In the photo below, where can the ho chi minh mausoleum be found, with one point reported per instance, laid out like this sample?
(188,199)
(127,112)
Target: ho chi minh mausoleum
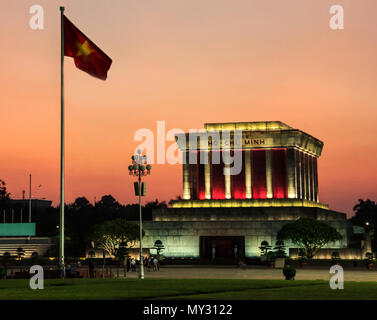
(276,182)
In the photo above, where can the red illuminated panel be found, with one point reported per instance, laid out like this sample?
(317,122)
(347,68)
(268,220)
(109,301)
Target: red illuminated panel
(259,174)
(218,179)
(238,181)
(279,157)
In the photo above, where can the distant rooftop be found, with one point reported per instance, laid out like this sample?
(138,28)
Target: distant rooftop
(41,203)
(248,126)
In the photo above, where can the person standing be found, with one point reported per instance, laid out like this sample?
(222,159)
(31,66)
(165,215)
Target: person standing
(155,264)
(128,264)
(235,251)
(133,265)
(149,263)
(213,252)
(145,262)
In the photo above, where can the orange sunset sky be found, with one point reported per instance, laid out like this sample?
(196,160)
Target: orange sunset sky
(186,62)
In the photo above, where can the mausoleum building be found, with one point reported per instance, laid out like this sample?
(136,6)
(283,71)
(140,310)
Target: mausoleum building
(242,182)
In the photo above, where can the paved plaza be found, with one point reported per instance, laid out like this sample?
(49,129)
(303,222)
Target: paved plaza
(254,272)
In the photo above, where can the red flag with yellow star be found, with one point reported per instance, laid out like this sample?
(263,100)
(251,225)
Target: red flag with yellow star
(87,56)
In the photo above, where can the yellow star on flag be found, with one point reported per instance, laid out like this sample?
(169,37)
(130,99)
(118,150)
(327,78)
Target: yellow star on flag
(84,49)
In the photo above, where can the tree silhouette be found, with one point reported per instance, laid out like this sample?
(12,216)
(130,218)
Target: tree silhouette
(115,234)
(365,212)
(264,248)
(156,205)
(309,234)
(108,202)
(81,203)
(4,195)
(366,217)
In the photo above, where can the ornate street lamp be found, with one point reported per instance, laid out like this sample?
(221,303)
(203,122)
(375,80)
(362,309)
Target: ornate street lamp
(139,168)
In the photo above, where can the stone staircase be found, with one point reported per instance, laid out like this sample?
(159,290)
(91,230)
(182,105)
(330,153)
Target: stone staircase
(39,245)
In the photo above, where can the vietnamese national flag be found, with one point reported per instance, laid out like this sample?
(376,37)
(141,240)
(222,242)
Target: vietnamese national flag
(88,57)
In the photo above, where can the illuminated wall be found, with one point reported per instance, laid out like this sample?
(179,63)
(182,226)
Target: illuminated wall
(181,238)
(278,162)
(238,181)
(218,180)
(274,177)
(279,173)
(259,189)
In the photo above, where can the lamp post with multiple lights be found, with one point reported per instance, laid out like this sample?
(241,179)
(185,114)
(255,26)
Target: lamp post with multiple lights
(139,168)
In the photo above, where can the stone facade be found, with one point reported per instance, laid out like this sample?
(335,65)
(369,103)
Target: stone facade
(181,234)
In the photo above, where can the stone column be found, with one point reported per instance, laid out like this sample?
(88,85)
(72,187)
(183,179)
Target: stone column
(298,176)
(228,182)
(303,175)
(291,174)
(186,177)
(248,185)
(312,178)
(308,177)
(269,182)
(207,177)
(316,196)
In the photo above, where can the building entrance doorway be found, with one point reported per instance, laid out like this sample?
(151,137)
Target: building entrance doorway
(223,247)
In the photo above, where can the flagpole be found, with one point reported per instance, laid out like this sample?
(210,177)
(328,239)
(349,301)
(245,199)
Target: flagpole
(61,229)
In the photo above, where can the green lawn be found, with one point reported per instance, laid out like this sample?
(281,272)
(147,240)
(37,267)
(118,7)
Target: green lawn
(185,289)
